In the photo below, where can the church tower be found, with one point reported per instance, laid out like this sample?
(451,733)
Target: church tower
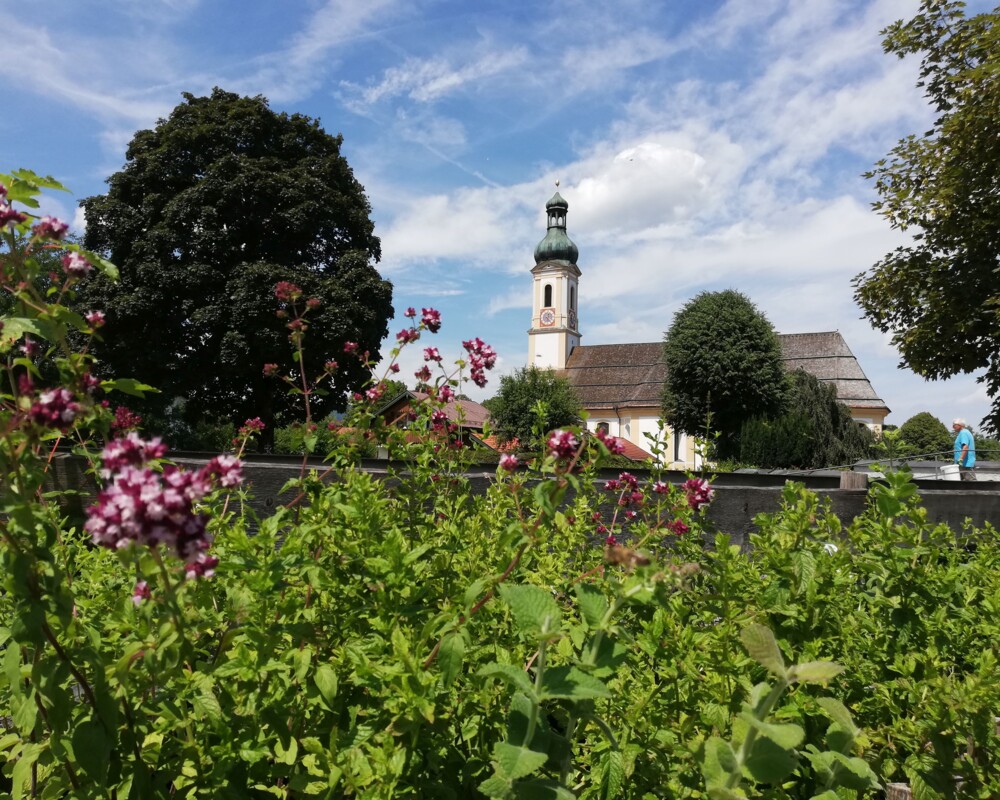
(554,324)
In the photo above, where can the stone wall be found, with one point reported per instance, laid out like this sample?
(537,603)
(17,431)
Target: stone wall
(739,498)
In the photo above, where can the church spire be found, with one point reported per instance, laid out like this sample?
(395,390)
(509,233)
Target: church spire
(554,325)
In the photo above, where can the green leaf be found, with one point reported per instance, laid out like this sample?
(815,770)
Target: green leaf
(287,755)
(593,605)
(814,672)
(497,787)
(537,789)
(326,681)
(719,761)
(508,673)
(769,762)
(535,611)
(610,774)
(829,794)
(92,749)
(569,683)
(128,386)
(16,327)
(722,793)
(786,735)
(836,711)
(521,712)
(760,644)
(450,656)
(517,762)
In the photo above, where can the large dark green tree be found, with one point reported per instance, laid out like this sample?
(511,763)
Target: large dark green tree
(815,431)
(532,398)
(213,207)
(938,295)
(723,367)
(926,434)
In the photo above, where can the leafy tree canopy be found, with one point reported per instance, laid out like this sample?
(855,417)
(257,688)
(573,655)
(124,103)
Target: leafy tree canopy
(926,434)
(938,295)
(213,207)
(532,398)
(817,431)
(723,367)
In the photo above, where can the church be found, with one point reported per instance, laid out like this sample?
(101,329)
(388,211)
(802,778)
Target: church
(620,385)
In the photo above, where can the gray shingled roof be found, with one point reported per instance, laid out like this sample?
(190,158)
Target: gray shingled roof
(632,375)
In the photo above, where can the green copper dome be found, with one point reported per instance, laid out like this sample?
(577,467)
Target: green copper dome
(556,246)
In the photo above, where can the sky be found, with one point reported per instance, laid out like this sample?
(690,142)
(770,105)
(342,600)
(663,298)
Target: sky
(701,145)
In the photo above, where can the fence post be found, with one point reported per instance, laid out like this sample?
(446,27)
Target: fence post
(853,480)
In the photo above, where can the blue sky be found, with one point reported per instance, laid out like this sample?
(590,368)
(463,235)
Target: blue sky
(701,144)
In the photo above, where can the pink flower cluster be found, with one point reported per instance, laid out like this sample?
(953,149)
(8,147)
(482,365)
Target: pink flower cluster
(284,291)
(75,265)
(252,426)
(699,492)
(509,462)
(481,358)
(56,408)
(628,485)
(8,216)
(431,318)
(141,506)
(50,228)
(615,445)
(563,444)
(125,419)
(407,335)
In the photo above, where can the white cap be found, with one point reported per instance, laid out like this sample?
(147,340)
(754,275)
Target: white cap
(958,421)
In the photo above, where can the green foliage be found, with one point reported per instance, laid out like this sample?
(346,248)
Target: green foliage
(937,295)
(515,412)
(401,635)
(213,207)
(724,365)
(927,435)
(816,432)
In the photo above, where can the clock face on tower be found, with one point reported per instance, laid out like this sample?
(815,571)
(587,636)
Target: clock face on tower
(547,318)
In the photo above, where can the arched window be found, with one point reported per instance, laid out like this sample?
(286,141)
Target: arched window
(604,426)
(548,295)
(572,298)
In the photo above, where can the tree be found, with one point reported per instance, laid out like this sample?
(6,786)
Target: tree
(938,295)
(213,207)
(817,431)
(723,367)
(926,434)
(515,410)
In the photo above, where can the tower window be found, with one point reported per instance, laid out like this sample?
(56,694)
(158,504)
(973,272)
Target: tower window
(548,295)
(572,298)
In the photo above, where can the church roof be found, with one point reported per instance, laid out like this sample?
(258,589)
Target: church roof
(632,375)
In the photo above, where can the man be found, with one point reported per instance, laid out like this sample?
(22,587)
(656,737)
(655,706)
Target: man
(965,450)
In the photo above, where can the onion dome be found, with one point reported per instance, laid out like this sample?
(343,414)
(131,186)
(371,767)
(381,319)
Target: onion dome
(556,246)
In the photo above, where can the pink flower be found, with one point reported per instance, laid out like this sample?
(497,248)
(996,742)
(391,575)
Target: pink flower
(615,445)
(611,541)
(628,479)
(423,374)
(313,303)
(563,444)
(630,515)
(141,593)
(432,354)
(54,409)
(30,347)
(660,487)
(331,366)
(203,566)
(509,462)
(445,394)
(699,492)
(677,527)
(285,291)
(125,419)
(270,370)
(95,319)
(431,319)
(411,312)
(350,347)
(481,358)
(130,451)
(75,265)
(50,228)
(8,216)
(253,425)
(394,368)
(375,392)
(407,335)
(227,470)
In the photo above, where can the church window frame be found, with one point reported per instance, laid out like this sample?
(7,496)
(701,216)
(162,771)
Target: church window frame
(547,296)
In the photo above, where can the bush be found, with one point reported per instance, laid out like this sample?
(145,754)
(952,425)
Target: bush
(927,435)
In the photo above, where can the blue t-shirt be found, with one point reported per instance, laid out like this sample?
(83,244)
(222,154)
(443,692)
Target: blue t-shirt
(965,438)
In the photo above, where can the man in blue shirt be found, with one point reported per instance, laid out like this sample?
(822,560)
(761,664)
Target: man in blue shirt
(965,450)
